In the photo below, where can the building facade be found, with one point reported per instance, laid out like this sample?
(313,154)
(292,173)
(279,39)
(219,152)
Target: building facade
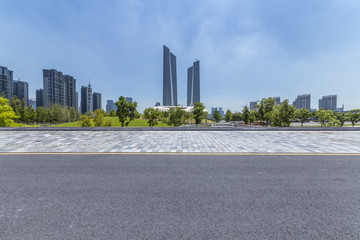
(110,105)
(58,89)
(39,98)
(169,78)
(70,91)
(97,103)
(303,101)
(54,88)
(193,84)
(6,82)
(21,91)
(86,99)
(328,102)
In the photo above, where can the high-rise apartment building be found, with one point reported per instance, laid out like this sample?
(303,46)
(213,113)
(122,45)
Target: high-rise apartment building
(54,88)
(328,102)
(70,91)
(6,82)
(58,89)
(193,84)
(169,78)
(303,101)
(110,105)
(21,91)
(39,98)
(86,99)
(97,103)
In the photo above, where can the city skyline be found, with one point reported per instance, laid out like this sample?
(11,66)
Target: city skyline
(67,95)
(247,50)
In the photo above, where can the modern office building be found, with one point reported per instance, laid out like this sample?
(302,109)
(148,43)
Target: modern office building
(21,91)
(129,99)
(39,98)
(303,101)
(253,105)
(277,100)
(328,102)
(169,78)
(110,105)
(193,84)
(6,82)
(70,91)
(97,103)
(86,99)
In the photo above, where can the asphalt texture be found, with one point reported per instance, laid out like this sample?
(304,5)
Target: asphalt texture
(179,197)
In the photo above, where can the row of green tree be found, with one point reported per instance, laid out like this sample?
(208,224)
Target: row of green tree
(127,112)
(175,116)
(53,115)
(267,113)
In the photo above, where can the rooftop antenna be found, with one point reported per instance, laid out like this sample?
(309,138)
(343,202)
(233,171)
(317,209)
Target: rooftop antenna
(89,82)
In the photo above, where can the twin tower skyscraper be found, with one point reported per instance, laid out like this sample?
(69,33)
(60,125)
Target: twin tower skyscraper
(170,97)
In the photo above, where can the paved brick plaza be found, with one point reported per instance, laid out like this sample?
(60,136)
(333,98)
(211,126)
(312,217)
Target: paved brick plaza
(181,141)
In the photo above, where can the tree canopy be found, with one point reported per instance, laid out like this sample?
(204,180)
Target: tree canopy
(198,112)
(126,111)
(7,115)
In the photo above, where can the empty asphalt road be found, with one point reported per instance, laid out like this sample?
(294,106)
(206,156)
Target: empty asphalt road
(179,197)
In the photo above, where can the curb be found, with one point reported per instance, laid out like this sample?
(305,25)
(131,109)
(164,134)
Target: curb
(245,129)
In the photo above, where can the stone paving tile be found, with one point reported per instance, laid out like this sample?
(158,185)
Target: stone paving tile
(181,141)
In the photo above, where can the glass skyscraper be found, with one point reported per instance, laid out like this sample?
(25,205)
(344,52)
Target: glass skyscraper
(97,102)
(86,99)
(6,82)
(193,84)
(169,79)
(21,91)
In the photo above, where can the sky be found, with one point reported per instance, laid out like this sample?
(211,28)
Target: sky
(248,49)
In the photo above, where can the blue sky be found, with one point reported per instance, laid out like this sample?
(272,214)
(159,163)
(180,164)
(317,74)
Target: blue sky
(248,49)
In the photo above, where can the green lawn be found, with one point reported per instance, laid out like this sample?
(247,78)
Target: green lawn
(115,123)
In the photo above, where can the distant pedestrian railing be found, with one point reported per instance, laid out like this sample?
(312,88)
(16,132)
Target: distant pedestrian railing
(223,125)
